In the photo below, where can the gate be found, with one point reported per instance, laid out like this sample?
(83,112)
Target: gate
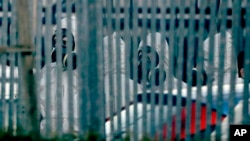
(124,69)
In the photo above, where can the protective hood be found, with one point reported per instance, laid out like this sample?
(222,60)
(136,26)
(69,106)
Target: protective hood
(113,45)
(73,28)
(217,42)
(158,46)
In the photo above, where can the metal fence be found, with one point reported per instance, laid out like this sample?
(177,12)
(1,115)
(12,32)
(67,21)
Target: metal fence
(136,68)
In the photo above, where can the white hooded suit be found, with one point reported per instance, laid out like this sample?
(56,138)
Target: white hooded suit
(111,71)
(227,60)
(157,45)
(65,94)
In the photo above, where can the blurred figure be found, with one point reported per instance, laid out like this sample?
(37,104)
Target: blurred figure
(153,53)
(64,95)
(186,63)
(111,72)
(217,57)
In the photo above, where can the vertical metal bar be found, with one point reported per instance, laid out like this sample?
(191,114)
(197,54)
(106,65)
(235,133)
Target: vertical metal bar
(210,67)
(31,20)
(34,21)
(110,59)
(20,107)
(235,42)
(127,38)
(33,10)
(130,13)
(172,38)
(135,35)
(162,54)
(100,51)
(222,44)
(38,45)
(83,56)
(90,24)
(3,101)
(70,75)
(199,75)
(79,54)
(13,41)
(93,78)
(191,38)
(53,95)
(200,78)
(144,72)
(5,19)
(181,32)
(118,65)
(152,78)
(59,92)
(246,67)
(48,76)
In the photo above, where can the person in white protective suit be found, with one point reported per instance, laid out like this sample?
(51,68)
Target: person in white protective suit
(113,92)
(228,64)
(153,50)
(65,94)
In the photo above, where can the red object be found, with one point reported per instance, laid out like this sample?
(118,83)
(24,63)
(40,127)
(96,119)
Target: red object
(193,121)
